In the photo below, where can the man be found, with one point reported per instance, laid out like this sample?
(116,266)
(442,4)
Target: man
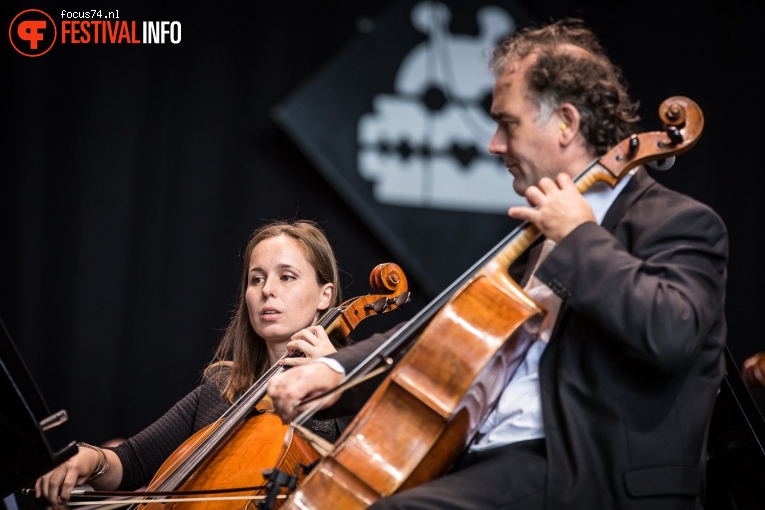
(610,407)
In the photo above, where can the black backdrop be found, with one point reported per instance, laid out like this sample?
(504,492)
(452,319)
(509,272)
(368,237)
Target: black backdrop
(132,178)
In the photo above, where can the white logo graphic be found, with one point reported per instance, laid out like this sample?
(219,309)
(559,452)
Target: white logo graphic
(426,146)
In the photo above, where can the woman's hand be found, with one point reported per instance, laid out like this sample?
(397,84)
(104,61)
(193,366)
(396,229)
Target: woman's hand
(312,341)
(56,486)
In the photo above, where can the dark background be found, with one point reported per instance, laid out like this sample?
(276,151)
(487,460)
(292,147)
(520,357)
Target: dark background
(132,178)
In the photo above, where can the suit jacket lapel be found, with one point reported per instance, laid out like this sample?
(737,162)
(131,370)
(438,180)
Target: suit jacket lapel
(639,183)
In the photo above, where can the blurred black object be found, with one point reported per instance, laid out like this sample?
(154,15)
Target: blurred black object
(736,447)
(24,418)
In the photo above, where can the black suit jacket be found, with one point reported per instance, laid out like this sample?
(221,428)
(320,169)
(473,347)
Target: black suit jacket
(629,377)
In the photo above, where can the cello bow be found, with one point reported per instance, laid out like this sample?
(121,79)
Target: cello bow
(229,455)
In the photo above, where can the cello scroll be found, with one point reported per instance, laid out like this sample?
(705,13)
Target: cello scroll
(683,121)
(390,291)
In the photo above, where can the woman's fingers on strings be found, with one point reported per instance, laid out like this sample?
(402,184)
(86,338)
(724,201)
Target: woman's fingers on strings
(294,362)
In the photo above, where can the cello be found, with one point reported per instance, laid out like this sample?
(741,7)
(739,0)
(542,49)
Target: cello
(228,456)
(461,350)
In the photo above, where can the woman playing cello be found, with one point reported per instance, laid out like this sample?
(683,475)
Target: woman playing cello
(290,277)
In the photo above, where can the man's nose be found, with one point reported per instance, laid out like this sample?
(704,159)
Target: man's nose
(498,144)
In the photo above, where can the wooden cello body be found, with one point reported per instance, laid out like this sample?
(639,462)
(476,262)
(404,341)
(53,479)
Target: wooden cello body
(431,404)
(228,457)
(261,440)
(464,348)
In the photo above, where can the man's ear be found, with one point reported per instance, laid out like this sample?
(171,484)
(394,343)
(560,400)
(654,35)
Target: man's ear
(570,122)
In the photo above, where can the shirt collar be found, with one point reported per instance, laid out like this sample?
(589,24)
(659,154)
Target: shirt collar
(600,195)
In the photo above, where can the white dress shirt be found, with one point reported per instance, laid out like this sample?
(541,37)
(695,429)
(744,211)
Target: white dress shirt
(518,413)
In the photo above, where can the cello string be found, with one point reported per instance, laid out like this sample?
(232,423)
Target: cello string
(181,470)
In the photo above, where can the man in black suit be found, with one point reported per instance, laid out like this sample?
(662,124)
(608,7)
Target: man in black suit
(610,406)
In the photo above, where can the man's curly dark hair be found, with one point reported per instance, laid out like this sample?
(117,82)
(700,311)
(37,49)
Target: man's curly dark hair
(572,67)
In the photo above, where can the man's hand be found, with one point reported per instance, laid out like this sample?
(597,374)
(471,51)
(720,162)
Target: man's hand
(290,387)
(557,207)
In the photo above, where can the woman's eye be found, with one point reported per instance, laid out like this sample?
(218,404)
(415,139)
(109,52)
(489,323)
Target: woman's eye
(256,280)
(288,277)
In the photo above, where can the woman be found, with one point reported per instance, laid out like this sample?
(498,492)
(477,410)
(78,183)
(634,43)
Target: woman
(290,277)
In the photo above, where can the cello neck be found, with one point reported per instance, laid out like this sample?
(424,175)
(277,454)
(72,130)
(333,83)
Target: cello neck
(494,263)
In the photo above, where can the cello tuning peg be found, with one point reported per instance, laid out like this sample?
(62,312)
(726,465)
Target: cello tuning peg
(633,146)
(675,135)
(402,299)
(378,306)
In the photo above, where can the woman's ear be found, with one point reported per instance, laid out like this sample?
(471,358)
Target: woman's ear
(326,296)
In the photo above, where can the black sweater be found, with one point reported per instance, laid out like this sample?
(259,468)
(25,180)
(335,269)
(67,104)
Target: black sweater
(143,454)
